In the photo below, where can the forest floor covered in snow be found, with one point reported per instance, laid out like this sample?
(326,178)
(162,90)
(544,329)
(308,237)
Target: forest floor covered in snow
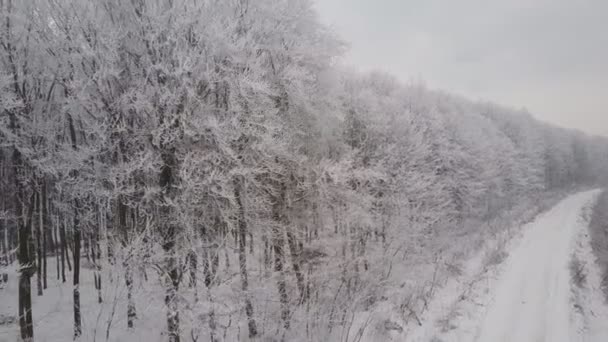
(106,321)
(537,280)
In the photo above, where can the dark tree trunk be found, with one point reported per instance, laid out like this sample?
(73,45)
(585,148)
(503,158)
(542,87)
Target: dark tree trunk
(25,308)
(44,263)
(211,258)
(45,229)
(39,244)
(3,225)
(5,247)
(251,250)
(207,265)
(171,302)
(193,270)
(278,243)
(213,255)
(27,268)
(24,228)
(87,246)
(172,285)
(5,243)
(295,261)
(167,183)
(131,311)
(64,249)
(193,263)
(242,233)
(77,238)
(316,219)
(66,245)
(57,251)
(98,258)
(96,263)
(211,262)
(110,242)
(123,227)
(267,253)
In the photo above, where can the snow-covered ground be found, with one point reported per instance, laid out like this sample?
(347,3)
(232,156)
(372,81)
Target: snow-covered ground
(530,296)
(517,288)
(53,312)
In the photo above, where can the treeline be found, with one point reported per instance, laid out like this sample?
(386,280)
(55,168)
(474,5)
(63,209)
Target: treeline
(206,140)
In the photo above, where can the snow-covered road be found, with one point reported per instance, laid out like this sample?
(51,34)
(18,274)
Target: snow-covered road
(532,298)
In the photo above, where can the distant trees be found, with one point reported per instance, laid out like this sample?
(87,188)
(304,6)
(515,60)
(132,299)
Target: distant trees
(202,139)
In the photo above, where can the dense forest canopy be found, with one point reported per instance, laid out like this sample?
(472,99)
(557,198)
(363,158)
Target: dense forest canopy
(217,153)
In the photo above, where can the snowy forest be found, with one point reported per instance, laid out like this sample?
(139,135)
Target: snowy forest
(206,170)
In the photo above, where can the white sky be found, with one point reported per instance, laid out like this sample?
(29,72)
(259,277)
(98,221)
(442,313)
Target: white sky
(550,56)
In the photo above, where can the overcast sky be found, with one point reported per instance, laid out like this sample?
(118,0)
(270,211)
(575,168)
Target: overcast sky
(550,56)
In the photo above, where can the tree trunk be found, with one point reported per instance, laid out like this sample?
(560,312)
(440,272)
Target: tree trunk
(171,301)
(211,258)
(123,227)
(267,253)
(66,246)
(278,243)
(295,261)
(25,308)
(87,246)
(316,221)
(39,244)
(242,232)
(26,268)
(96,263)
(64,249)
(167,183)
(23,222)
(98,268)
(3,225)
(4,230)
(57,245)
(110,243)
(77,238)
(206,265)
(45,229)
(5,244)
(251,250)
(193,264)
(131,311)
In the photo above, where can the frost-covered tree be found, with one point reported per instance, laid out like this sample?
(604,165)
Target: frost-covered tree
(220,147)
